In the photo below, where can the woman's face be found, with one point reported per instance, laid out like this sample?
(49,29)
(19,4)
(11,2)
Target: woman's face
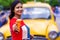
(18,9)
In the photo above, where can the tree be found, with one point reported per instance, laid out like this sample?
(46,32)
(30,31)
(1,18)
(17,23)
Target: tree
(54,3)
(6,3)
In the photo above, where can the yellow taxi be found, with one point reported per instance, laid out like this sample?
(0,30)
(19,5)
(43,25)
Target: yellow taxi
(4,28)
(40,19)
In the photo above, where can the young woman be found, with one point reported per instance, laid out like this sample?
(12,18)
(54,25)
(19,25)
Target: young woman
(16,11)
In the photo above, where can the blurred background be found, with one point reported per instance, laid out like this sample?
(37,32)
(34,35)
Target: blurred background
(5,4)
(5,9)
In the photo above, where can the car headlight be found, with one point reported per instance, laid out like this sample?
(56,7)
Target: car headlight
(53,35)
(1,36)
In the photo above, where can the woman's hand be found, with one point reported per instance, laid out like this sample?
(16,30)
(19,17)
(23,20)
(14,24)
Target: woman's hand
(31,37)
(15,28)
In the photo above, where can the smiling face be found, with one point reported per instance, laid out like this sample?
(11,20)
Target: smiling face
(18,9)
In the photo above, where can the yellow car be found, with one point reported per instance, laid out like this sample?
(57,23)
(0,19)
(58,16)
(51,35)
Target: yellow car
(41,21)
(4,28)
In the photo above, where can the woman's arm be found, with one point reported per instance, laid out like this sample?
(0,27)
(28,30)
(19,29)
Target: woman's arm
(13,26)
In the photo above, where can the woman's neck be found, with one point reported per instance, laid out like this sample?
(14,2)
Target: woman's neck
(17,16)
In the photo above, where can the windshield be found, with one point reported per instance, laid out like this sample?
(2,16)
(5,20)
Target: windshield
(36,12)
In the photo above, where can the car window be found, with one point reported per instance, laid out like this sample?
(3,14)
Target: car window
(35,12)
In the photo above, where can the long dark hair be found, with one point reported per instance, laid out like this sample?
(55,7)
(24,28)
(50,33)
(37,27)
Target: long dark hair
(12,8)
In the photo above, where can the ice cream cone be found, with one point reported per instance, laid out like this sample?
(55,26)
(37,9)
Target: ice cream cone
(18,24)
